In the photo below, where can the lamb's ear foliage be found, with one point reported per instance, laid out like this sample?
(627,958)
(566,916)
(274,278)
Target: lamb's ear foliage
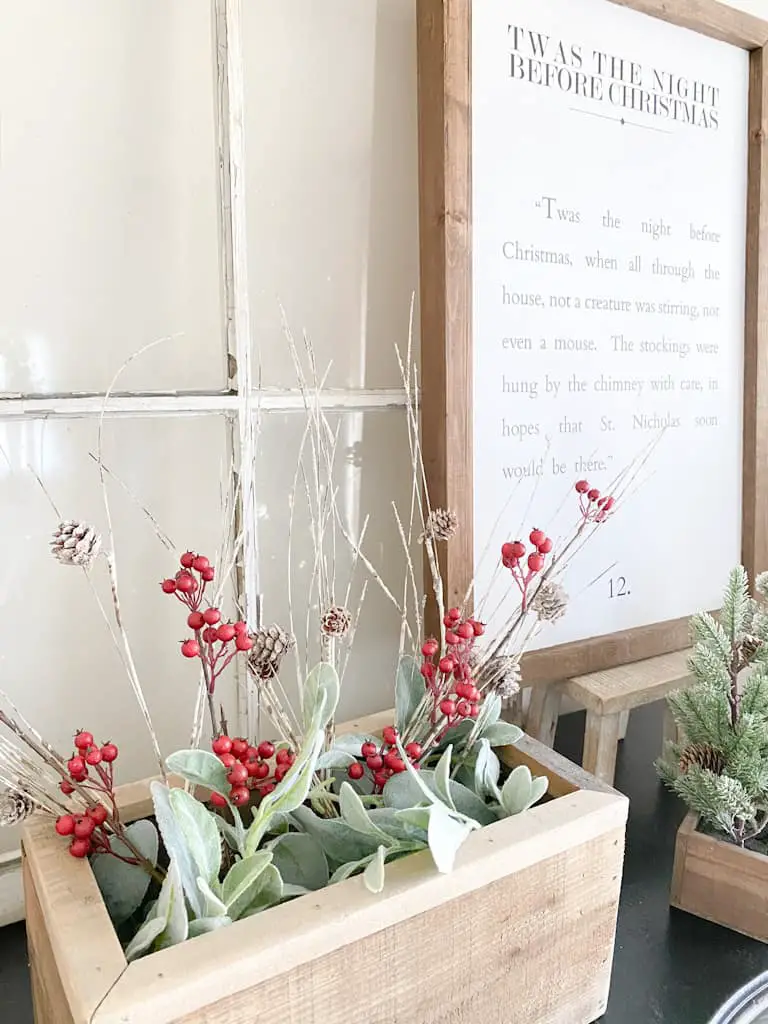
(719,766)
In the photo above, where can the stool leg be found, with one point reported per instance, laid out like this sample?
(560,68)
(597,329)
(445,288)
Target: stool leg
(601,741)
(623,723)
(543,713)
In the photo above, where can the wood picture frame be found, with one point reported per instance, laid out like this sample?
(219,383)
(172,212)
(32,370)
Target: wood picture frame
(445,223)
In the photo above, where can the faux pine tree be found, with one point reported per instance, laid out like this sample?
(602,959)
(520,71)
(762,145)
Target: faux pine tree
(719,767)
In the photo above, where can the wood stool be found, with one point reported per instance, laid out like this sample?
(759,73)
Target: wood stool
(609,696)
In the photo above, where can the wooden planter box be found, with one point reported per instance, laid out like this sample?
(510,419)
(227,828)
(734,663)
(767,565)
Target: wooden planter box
(522,931)
(720,882)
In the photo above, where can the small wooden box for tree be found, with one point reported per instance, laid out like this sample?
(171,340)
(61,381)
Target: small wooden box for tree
(521,932)
(720,882)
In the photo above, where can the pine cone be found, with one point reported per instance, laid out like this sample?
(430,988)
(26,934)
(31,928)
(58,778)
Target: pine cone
(501,674)
(550,602)
(270,645)
(704,755)
(440,525)
(76,543)
(750,645)
(15,807)
(336,621)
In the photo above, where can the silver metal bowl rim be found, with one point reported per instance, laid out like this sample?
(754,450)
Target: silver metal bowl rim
(752,996)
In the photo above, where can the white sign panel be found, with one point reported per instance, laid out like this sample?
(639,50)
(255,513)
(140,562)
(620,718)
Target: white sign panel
(609,219)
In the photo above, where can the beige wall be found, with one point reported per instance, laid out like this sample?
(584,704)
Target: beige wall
(109,240)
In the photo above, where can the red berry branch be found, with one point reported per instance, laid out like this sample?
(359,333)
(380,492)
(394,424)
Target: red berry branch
(449,678)
(215,642)
(512,555)
(383,761)
(91,771)
(250,770)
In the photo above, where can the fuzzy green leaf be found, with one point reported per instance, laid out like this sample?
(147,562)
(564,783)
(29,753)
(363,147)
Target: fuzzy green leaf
(321,696)
(517,790)
(166,922)
(442,778)
(269,892)
(338,840)
(352,743)
(243,883)
(300,860)
(175,845)
(402,791)
(212,903)
(124,886)
(487,771)
(409,691)
(490,712)
(373,876)
(201,768)
(502,734)
(204,925)
(334,758)
(355,815)
(198,827)
(445,835)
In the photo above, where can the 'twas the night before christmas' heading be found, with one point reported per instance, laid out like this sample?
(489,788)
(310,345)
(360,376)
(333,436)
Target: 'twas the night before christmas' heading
(625,84)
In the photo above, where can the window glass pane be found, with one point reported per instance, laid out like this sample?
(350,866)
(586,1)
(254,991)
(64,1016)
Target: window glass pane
(108,196)
(59,663)
(332,182)
(372,470)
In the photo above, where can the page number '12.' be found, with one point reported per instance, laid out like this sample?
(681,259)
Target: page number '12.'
(617,587)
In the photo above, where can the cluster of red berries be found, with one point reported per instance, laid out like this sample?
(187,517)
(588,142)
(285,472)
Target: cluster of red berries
(449,678)
(384,761)
(594,506)
(249,768)
(88,755)
(524,569)
(212,639)
(86,831)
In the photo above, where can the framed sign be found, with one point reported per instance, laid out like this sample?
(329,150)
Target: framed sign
(594,251)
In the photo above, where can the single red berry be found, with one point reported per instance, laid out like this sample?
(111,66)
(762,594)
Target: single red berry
(609,504)
(427,669)
(226,633)
(356,771)
(217,800)
(76,766)
(475,711)
(375,762)
(241,627)
(389,734)
(84,827)
(368,750)
(109,753)
(200,562)
(239,746)
(66,787)
(267,788)
(185,583)
(83,740)
(195,620)
(546,546)
(97,814)
(284,756)
(451,638)
(478,628)
(222,745)
(537,537)
(80,848)
(473,693)
(266,750)
(390,758)
(168,586)
(280,772)
(240,796)
(413,750)
(535,563)
(430,648)
(251,754)
(582,486)
(207,574)
(237,774)
(243,642)
(227,759)
(446,665)
(210,635)
(381,779)
(397,765)
(462,689)
(463,709)
(93,757)
(507,550)
(65,825)
(187,559)
(594,494)
(448,708)
(454,614)
(260,770)
(466,631)
(212,616)
(448,621)
(190,648)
